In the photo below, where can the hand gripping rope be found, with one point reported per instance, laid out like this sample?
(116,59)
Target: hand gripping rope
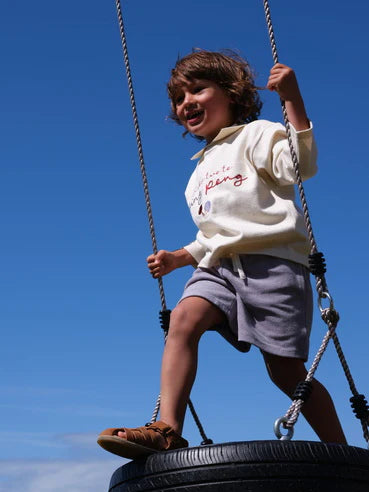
(329,315)
(164,314)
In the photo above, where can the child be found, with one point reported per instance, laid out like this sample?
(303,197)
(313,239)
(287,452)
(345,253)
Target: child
(251,283)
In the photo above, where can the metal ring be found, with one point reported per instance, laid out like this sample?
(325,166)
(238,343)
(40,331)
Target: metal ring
(325,295)
(277,430)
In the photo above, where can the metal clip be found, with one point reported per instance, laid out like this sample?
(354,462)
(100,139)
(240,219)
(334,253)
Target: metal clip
(277,429)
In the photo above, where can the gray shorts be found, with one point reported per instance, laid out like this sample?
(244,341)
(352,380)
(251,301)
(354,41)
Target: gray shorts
(271,308)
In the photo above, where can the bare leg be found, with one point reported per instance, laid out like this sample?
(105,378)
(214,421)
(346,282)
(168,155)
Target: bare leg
(191,318)
(319,409)
(188,321)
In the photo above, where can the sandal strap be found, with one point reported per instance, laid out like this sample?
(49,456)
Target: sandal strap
(151,436)
(173,439)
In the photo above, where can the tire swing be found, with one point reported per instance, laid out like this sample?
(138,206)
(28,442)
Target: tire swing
(253,466)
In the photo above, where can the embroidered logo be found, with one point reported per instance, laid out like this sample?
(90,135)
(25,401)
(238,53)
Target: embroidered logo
(211,180)
(203,210)
(238,179)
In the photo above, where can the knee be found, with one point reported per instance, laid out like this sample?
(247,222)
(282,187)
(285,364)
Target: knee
(185,324)
(286,373)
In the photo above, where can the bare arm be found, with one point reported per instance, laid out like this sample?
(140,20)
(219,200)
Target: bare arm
(165,262)
(283,80)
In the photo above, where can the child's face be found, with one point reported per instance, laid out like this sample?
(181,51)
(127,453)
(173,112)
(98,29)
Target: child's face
(203,108)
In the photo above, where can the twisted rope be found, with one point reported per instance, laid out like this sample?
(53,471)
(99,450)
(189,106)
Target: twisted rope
(139,146)
(293,412)
(329,315)
(147,195)
(289,137)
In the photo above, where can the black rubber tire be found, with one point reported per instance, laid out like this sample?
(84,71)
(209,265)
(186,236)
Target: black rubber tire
(254,466)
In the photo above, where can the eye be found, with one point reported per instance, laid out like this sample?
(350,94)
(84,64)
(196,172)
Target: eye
(198,89)
(178,99)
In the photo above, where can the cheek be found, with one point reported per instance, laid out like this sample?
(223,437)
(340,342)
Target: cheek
(182,120)
(179,115)
(224,113)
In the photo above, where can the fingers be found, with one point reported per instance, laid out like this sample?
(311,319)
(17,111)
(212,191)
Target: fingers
(279,68)
(277,73)
(282,79)
(155,263)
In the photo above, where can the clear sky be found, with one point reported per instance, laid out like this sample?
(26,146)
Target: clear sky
(81,344)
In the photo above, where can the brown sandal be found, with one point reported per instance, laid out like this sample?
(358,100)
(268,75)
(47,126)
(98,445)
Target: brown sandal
(141,441)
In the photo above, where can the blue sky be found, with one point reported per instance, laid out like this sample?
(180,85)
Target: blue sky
(81,343)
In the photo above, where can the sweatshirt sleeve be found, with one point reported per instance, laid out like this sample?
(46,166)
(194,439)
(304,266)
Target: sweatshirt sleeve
(196,250)
(271,153)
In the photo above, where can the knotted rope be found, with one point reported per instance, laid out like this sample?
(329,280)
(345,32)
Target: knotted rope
(329,315)
(165,312)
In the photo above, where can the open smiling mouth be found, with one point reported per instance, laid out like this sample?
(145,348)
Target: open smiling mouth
(194,117)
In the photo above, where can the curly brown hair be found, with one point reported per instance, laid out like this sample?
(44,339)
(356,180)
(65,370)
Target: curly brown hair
(227,69)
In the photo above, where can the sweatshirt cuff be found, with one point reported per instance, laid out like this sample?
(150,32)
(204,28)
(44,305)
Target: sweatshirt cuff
(302,133)
(196,250)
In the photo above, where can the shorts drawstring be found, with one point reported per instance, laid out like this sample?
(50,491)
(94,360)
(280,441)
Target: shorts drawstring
(237,266)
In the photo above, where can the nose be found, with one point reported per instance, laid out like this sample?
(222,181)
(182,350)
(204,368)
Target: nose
(189,99)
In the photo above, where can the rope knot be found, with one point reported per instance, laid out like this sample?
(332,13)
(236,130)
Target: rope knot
(317,264)
(360,407)
(303,391)
(164,318)
(330,316)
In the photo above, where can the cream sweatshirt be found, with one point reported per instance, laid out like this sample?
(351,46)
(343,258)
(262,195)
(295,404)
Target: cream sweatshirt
(242,195)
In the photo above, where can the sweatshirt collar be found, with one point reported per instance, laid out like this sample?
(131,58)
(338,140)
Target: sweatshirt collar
(224,132)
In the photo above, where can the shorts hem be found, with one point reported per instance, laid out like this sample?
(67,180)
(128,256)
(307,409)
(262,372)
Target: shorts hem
(212,300)
(281,353)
